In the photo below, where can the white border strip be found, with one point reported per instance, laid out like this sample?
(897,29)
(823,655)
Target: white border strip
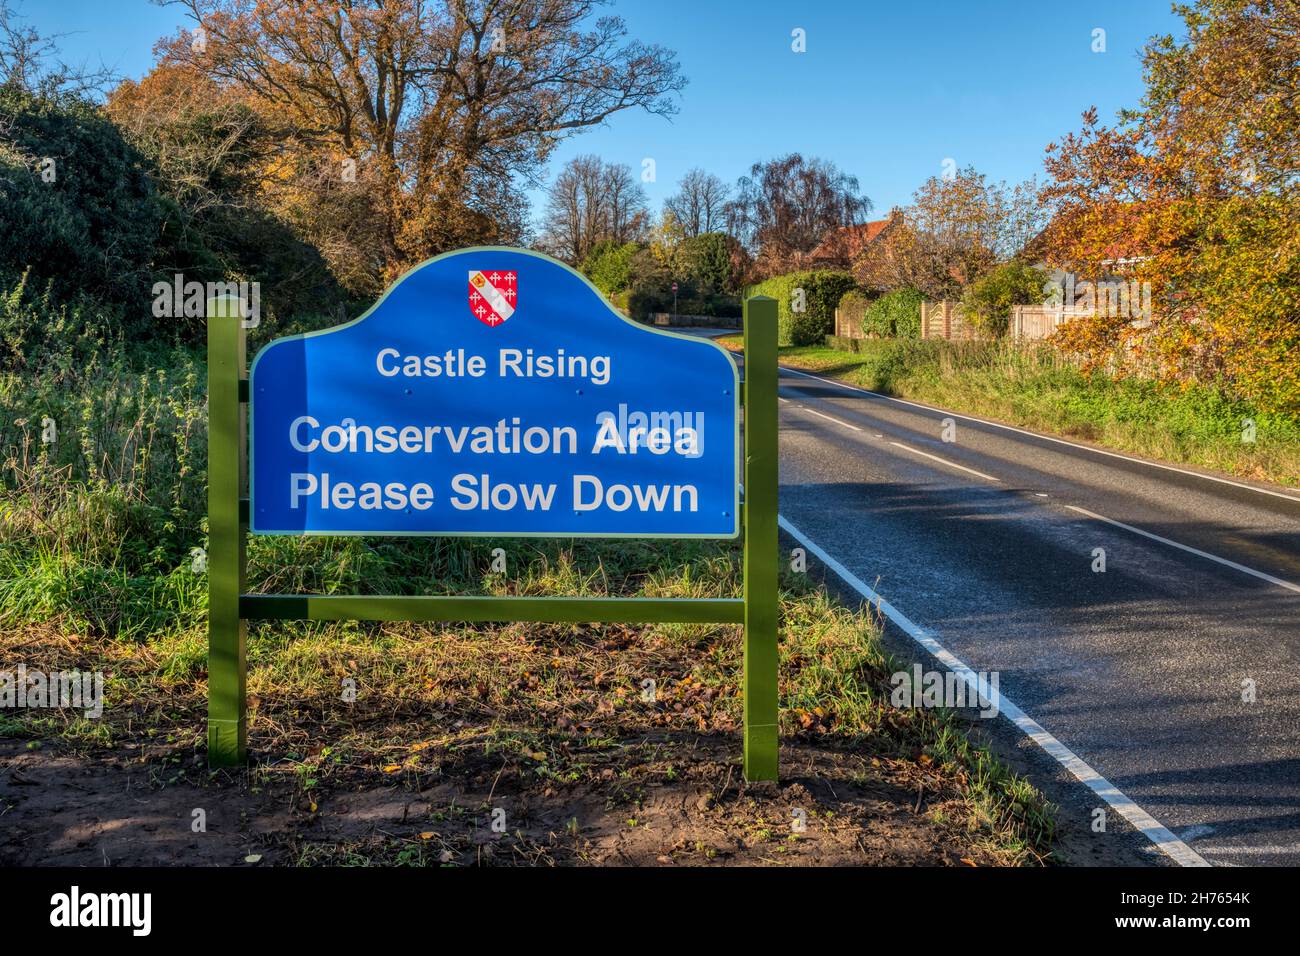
(1157,833)
(1059,441)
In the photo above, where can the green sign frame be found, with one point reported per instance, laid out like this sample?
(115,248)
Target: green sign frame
(229,606)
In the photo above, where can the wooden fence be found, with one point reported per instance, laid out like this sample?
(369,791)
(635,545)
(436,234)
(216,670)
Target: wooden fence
(1040,321)
(848,320)
(944,320)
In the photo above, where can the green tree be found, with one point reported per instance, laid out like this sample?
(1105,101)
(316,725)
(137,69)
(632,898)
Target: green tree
(610,266)
(707,260)
(988,300)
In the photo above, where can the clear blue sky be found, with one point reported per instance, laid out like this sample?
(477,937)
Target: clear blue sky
(886,90)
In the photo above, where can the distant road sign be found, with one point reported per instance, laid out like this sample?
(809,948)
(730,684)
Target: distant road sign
(494,392)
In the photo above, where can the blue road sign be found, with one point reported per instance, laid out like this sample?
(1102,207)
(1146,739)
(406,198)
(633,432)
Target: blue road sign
(494,391)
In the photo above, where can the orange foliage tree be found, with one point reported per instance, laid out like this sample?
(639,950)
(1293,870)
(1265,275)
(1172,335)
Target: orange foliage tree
(1196,191)
(407,127)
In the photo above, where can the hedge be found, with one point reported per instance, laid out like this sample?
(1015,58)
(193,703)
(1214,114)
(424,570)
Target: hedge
(894,315)
(821,294)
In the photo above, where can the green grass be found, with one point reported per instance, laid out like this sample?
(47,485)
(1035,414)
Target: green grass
(1033,387)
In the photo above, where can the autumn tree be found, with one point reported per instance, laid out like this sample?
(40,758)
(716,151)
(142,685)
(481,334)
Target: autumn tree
(592,202)
(441,107)
(956,229)
(785,207)
(1197,191)
(231,210)
(700,202)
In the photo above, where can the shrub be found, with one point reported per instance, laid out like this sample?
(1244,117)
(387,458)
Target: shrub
(818,293)
(894,315)
(93,228)
(987,302)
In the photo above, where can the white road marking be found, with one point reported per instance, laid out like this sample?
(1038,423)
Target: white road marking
(1157,833)
(944,461)
(1183,547)
(1059,441)
(813,411)
(1195,832)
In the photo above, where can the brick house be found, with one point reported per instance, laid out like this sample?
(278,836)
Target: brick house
(842,247)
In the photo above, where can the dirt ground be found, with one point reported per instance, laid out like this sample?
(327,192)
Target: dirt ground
(666,799)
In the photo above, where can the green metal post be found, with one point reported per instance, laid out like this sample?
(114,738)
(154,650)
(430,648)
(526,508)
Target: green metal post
(227,443)
(761,598)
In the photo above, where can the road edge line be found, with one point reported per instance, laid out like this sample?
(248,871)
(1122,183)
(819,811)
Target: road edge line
(1149,826)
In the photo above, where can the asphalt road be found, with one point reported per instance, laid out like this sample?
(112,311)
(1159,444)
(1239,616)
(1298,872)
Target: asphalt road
(1137,669)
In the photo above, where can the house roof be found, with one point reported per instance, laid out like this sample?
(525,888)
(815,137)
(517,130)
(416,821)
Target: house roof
(847,242)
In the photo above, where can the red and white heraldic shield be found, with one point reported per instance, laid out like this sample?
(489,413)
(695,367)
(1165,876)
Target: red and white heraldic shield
(493,296)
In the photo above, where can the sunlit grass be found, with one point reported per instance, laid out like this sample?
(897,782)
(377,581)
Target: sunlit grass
(1031,386)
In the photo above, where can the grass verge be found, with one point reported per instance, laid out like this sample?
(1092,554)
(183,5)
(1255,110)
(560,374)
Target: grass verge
(555,728)
(1032,387)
